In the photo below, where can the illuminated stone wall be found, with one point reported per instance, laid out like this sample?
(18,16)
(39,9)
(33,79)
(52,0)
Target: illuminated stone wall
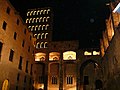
(15,37)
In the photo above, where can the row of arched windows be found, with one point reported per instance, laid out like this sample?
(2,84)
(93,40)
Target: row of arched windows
(38,27)
(68,55)
(42,45)
(41,36)
(37,20)
(38,12)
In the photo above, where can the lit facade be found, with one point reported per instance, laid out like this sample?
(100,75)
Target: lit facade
(16,51)
(58,62)
(39,22)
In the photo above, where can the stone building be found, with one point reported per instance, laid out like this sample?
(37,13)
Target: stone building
(16,50)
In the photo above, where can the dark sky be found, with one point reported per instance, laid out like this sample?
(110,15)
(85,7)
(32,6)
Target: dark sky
(82,20)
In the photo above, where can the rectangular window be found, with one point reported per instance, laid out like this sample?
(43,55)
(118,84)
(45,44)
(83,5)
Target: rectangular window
(11,55)
(20,63)
(1,45)
(4,25)
(26,70)
(8,10)
(18,77)
(15,35)
(54,80)
(29,49)
(23,43)
(69,80)
(86,80)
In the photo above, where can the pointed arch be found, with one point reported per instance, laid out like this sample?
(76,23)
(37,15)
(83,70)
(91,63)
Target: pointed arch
(44,11)
(38,45)
(33,20)
(38,12)
(41,11)
(30,20)
(27,20)
(42,35)
(47,19)
(31,13)
(36,27)
(34,12)
(40,19)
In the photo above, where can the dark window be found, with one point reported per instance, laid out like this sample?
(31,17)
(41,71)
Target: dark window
(18,21)
(15,35)
(20,63)
(86,80)
(8,10)
(18,77)
(26,67)
(4,25)
(29,49)
(16,87)
(11,55)
(1,44)
(25,31)
(23,43)
(30,37)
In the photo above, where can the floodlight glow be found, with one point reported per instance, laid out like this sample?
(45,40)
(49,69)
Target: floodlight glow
(117,9)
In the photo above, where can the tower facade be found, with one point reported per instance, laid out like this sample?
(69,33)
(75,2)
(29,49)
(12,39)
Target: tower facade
(39,22)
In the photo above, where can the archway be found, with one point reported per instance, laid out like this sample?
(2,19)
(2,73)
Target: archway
(98,84)
(82,68)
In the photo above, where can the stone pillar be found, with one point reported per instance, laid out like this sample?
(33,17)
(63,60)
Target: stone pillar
(46,72)
(61,72)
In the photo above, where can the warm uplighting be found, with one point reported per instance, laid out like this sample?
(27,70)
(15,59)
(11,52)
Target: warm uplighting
(38,86)
(54,56)
(96,53)
(87,53)
(40,56)
(69,55)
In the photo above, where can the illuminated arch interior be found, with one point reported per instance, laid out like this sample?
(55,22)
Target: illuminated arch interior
(40,57)
(69,55)
(5,85)
(54,56)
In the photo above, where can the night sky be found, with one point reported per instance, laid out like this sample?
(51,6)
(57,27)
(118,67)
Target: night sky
(82,20)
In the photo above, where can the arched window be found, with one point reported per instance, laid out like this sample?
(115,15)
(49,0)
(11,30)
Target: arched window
(43,19)
(32,28)
(54,56)
(38,36)
(39,27)
(40,57)
(40,19)
(30,20)
(34,12)
(29,27)
(38,12)
(45,44)
(5,85)
(42,35)
(27,20)
(41,12)
(31,13)
(36,27)
(47,19)
(37,20)
(35,35)
(33,20)
(69,55)
(48,11)
(43,27)
(41,45)
(38,45)
(44,11)
(28,13)
(46,27)
(46,35)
